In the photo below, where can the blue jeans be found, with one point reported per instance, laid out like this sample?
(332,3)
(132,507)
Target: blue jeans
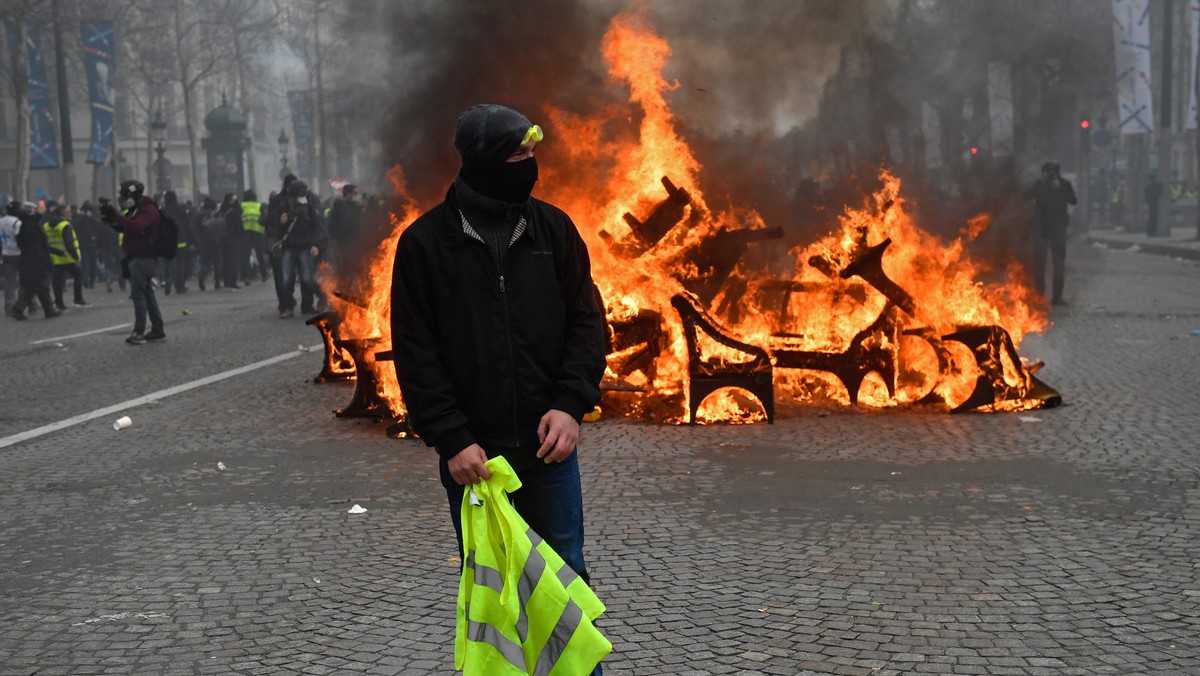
(141,271)
(301,263)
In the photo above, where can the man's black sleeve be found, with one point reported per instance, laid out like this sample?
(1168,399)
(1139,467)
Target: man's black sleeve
(428,393)
(577,383)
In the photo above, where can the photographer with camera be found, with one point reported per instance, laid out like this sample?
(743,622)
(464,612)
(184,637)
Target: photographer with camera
(138,222)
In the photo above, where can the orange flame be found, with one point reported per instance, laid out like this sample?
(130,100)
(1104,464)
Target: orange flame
(610,176)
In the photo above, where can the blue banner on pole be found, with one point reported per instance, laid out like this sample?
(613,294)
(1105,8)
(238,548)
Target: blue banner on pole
(99,58)
(300,103)
(43,141)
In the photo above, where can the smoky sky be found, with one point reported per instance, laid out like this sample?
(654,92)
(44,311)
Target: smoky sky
(744,68)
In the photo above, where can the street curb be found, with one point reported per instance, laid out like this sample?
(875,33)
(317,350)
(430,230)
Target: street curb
(1149,248)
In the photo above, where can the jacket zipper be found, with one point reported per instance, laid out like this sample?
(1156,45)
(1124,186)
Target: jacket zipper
(512,366)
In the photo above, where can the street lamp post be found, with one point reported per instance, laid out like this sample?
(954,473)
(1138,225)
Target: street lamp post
(162,166)
(283,154)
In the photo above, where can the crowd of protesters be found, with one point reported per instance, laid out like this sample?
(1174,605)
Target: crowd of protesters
(51,249)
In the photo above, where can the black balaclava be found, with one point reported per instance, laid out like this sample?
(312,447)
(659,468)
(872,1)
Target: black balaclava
(485,136)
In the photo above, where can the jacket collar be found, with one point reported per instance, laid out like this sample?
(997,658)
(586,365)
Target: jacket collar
(454,231)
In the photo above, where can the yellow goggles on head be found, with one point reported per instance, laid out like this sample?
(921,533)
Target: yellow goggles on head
(534,134)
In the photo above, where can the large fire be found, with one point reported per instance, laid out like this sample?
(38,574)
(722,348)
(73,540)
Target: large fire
(652,236)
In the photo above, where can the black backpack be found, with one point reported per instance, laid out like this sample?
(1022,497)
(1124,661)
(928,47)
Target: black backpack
(167,242)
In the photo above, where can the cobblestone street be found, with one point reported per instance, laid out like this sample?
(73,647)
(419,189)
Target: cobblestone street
(846,541)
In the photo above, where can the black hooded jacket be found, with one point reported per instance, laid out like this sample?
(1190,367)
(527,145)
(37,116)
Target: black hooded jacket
(483,351)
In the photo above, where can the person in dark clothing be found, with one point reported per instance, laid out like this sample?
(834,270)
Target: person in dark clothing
(1152,193)
(138,223)
(272,221)
(497,334)
(180,269)
(301,242)
(88,231)
(345,220)
(231,238)
(1051,194)
(35,267)
(206,226)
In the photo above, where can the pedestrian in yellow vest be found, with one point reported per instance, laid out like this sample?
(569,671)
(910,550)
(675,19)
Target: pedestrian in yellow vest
(256,237)
(64,253)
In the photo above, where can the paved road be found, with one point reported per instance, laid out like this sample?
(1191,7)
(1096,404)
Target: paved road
(845,541)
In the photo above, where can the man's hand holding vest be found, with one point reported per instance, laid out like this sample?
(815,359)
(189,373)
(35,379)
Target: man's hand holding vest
(559,432)
(469,465)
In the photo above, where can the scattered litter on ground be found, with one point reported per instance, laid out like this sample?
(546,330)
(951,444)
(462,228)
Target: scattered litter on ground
(187,312)
(1134,249)
(897,473)
(221,466)
(317,580)
(124,422)
(59,345)
(358,509)
(1029,418)
(302,348)
(1196,332)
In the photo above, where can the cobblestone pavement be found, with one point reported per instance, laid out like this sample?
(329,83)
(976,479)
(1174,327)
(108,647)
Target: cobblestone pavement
(843,541)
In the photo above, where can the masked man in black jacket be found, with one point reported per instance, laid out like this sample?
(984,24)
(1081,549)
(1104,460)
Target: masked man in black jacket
(498,336)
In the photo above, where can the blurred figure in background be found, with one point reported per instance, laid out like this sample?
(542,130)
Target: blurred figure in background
(232,238)
(64,253)
(1051,195)
(254,234)
(35,268)
(89,231)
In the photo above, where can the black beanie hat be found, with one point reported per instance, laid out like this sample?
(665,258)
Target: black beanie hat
(488,133)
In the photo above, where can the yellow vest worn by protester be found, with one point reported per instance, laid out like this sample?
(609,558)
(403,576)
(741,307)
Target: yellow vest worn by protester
(250,213)
(54,233)
(521,609)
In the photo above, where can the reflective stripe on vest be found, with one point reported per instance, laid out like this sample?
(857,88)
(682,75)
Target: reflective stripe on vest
(250,213)
(522,610)
(54,233)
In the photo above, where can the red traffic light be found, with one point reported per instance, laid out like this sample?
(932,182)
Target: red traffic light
(1084,124)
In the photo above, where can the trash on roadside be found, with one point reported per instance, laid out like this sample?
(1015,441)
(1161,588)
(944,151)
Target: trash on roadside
(59,345)
(221,466)
(897,473)
(124,422)
(358,509)
(303,348)
(1196,332)
(187,312)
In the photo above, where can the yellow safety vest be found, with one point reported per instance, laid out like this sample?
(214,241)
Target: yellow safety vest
(250,213)
(521,609)
(54,233)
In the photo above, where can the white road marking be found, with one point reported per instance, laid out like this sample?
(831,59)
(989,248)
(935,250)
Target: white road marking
(80,335)
(153,396)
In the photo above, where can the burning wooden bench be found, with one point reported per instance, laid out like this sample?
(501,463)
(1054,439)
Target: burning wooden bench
(338,364)
(706,376)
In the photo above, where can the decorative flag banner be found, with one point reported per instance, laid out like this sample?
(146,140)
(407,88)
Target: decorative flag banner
(1194,29)
(300,103)
(1000,107)
(1131,32)
(100,60)
(43,139)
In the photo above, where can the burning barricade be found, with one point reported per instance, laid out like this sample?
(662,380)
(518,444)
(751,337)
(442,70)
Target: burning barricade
(877,312)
